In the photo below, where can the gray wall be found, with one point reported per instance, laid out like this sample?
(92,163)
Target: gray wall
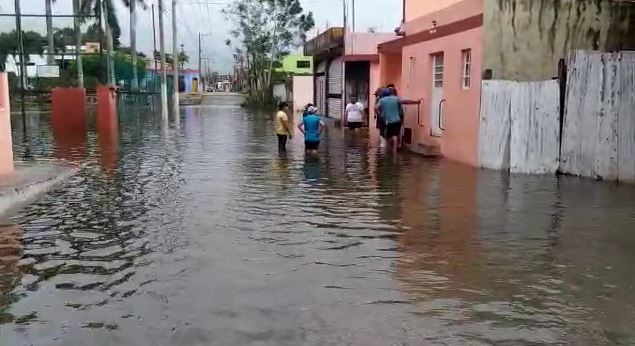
(524,39)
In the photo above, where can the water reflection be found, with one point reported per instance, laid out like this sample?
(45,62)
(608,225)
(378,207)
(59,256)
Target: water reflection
(201,233)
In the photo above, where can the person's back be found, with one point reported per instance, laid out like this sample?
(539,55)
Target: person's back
(390,107)
(312,128)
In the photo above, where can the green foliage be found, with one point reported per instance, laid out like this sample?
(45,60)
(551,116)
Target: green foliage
(93,67)
(91,7)
(34,43)
(265,31)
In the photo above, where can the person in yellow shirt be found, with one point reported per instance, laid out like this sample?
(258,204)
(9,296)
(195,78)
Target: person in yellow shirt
(283,129)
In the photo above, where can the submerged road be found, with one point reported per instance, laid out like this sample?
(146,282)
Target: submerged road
(202,234)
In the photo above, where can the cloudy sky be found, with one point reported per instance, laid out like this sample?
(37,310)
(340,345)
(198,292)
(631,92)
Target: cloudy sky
(205,16)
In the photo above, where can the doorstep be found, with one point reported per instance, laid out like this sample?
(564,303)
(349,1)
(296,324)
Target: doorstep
(425,150)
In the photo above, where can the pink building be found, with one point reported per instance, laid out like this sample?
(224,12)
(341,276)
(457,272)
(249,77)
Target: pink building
(437,61)
(448,46)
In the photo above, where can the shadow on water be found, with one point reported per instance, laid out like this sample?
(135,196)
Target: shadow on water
(201,233)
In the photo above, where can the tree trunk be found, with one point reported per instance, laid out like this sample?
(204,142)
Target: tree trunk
(50,58)
(133,44)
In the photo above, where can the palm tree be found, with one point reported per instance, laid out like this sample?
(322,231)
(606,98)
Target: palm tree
(113,29)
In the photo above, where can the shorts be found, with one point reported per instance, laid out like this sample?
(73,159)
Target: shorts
(393,130)
(352,125)
(310,145)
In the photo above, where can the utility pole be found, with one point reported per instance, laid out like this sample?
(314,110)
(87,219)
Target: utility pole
(18,27)
(110,63)
(154,42)
(164,76)
(23,77)
(78,44)
(50,58)
(133,43)
(353,15)
(345,20)
(175,65)
(199,60)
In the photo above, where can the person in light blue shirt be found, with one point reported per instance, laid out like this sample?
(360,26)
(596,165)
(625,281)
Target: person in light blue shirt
(390,110)
(312,127)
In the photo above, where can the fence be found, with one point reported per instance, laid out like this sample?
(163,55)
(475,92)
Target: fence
(520,124)
(38,51)
(521,131)
(599,125)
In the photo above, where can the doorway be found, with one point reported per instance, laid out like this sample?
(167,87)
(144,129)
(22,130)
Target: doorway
(436,104)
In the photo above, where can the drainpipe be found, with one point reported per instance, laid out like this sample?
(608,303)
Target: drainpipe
(403,12)
(400,31)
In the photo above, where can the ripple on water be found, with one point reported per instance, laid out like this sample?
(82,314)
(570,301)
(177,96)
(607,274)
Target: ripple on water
(203,233)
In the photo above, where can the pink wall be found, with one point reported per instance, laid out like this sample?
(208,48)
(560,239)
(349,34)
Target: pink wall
(419,8)
(375,82)
(442,12)
(459,141)
(6,145)
(390,71)
(366,42)
(302,95)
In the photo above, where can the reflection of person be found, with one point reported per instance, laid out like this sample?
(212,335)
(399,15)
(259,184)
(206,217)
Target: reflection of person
(312,169)
(312,127)
(354,114)
(283,130)
(390,111)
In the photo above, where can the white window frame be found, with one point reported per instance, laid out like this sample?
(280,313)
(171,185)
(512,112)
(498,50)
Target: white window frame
(438,60)
(466,74)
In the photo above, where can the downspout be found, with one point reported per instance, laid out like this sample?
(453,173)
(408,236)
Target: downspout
(400,30)
(403,12)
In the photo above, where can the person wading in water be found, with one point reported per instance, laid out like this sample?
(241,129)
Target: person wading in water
(283,129)
(390,112)
(354,114)
(312,127)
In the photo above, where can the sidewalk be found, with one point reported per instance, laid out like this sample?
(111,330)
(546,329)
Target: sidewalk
(29,181)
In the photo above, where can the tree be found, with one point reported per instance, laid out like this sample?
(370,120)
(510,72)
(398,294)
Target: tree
(123,67)
(62,38)
(91,7)
(168,57)
(266,30)
(34,43)
(183,58)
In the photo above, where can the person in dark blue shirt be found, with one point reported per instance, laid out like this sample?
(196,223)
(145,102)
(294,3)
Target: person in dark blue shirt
(312,127)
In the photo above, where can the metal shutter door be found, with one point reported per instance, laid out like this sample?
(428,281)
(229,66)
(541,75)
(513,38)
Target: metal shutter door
(335,76)
(320,94)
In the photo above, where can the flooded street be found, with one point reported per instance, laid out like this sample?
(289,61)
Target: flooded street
(202,234)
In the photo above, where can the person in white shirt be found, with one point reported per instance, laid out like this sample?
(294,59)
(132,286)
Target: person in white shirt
(354,114)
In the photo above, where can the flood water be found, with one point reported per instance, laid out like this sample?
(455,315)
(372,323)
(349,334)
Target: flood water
(201,234)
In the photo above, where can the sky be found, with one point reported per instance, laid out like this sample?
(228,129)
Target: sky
(205,16)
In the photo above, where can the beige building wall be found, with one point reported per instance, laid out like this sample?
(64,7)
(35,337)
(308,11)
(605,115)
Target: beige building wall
(525,39)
